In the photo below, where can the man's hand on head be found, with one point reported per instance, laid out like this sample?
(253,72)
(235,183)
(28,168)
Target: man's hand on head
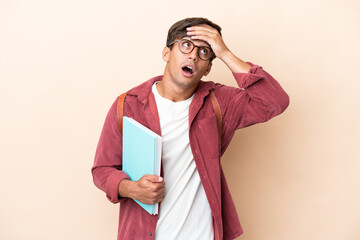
(216,42)
(149,189)
(211,36)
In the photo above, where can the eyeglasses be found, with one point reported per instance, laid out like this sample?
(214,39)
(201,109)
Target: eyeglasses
(187,46)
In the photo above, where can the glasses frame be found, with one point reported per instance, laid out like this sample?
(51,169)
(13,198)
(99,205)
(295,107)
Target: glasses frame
(193,44)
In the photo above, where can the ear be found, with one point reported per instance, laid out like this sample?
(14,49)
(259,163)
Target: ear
(208,69)
(165,54)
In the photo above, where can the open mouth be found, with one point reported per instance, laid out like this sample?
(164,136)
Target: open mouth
(188,70)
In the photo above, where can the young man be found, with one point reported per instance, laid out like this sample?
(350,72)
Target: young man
(195,202)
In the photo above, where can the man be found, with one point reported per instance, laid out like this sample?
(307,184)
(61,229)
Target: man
(195,202)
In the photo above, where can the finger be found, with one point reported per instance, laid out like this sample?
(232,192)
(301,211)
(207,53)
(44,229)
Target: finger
(162,194)
(160,179)
(202,33)
(208,37)
(161,184)
(206,34)
(202,27)
(200,30)
(156,201)
(158,187)
(203,38)
(156,197)
(160,198)
(153,178)
(161,189)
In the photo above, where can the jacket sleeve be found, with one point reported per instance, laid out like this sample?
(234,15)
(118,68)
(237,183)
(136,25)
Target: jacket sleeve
(258,98)
(106,171)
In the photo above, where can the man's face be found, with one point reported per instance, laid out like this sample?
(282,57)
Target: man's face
(186,69)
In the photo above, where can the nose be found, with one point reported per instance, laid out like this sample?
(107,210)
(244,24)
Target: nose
(194,53)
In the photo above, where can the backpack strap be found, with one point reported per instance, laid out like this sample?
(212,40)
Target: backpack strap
(217,110)
(214,103)
(120,110)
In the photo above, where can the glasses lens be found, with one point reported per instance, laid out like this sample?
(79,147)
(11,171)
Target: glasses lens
(186,46)
(204,53)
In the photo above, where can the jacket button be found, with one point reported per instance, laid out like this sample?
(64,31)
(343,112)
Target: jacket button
(150,233)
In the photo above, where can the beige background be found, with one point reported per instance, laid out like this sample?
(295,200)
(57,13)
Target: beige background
(63,63)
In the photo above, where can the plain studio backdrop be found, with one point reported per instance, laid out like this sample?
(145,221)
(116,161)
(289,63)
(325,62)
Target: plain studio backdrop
(63,63)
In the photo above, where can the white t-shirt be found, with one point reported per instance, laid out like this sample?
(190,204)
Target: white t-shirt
(185,211)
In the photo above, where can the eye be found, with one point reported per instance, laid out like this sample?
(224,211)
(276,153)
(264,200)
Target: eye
(186,44)
(204,51)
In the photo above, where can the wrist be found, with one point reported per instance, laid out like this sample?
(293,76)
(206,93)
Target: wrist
(125,188)
(235,64)
(226,54)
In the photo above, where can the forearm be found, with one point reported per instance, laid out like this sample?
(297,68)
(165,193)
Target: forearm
(235,64)
(125,188)
(108,179)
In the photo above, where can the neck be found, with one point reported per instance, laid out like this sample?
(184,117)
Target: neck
(172,91)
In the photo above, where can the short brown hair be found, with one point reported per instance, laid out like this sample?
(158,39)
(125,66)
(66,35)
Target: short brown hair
(178,29)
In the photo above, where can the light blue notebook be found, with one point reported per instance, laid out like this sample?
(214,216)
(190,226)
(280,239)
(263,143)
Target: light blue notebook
(141,154)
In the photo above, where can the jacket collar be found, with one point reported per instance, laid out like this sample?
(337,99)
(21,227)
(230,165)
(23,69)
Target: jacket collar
(145,89)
